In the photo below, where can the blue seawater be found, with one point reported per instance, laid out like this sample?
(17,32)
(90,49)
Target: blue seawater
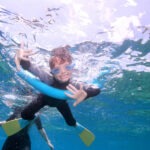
(120,116)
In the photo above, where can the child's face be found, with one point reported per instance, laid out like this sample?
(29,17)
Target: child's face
(62,72)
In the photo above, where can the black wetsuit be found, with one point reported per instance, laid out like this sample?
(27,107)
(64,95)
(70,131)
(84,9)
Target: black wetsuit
(43,100)
(20,140)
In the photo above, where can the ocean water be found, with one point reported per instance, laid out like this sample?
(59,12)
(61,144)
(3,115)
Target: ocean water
(112,36)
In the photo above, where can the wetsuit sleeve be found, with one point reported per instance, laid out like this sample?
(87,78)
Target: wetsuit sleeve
(91,90)
(43,75)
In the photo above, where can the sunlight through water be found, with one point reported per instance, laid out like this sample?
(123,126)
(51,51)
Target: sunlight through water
(111,36)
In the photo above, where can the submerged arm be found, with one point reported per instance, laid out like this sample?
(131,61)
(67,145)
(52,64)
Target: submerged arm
(22,60)
(43,133)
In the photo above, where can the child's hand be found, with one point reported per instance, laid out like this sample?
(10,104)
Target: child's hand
(78,95)
(22,54)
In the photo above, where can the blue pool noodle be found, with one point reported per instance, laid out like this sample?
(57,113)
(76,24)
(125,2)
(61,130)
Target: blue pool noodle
(47,89)
(42,87)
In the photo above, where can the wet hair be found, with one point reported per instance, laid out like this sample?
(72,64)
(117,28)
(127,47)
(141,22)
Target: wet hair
(59,56)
